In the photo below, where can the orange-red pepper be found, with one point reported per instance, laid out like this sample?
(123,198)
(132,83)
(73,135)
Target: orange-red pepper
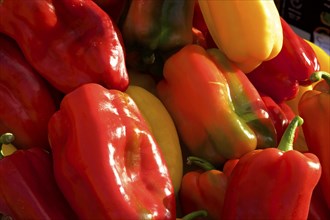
(204,189)
(314,108)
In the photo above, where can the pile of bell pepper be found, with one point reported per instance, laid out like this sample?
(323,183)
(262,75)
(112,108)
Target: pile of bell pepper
(139,109)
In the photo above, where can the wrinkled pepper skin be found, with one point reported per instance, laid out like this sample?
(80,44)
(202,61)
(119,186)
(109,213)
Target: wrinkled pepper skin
(28,189)
(247,102)
(314,108)
(69,42)
(108,156)
(203,189)
(158,25)
(26,99)
(204,115)
(272,183)
(280,77)
(248,32)
(163,129)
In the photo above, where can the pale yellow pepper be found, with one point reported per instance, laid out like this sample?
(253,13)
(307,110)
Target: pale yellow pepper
(248,32)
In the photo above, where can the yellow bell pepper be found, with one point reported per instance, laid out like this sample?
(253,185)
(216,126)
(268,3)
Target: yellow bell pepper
(248,32)
(162,126)
(322,57)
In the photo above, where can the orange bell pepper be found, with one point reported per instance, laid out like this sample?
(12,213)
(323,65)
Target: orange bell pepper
(314,108)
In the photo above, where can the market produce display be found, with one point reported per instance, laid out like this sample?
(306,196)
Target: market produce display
(161,109)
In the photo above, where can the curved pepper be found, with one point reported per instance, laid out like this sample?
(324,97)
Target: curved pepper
(322,56)
(104,152)
(28,189)
(197,95)
(280,113)
(158,25)
(314,108)
(248,32)
(26,99)
(272,183)
(69,42)
(203,189)
(247,102)
(163,129)
(281,76)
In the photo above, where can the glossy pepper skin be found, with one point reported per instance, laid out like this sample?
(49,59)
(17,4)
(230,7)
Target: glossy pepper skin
(246,99)
(285,177)
(28,189)
(280,113)
(280,77)
(26,99)
(108,156)
(204,189)
(202,109)
(163,129)
(69,42)
(159,25)
(248,32)
(314,108)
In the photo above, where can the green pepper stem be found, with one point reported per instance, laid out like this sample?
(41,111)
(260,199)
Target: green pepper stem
(286,142)
(317,76)
(5,138)
(195,214)
(200,162)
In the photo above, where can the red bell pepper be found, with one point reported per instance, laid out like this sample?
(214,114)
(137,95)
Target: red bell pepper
(272,183)
(281,76)
(318,209)
(26,99)
(104,152)
(69,42)
(28,189)
(203,189)
(314,108)
(280,113)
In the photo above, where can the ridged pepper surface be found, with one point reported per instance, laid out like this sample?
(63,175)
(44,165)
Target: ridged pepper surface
(69,42)
(106,161)
(28,189)
(26,98)
(199,99)
(162,128)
